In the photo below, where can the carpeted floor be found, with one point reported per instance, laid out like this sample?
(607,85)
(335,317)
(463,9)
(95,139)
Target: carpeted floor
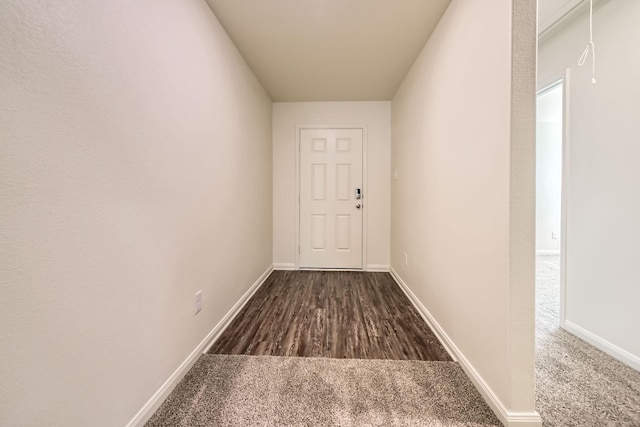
(225,390)
(577,384)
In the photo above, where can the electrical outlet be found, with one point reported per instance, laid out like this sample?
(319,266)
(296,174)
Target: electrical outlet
(406,259)
(197,302)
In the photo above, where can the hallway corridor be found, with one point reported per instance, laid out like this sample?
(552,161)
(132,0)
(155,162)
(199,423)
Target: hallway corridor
(324,348)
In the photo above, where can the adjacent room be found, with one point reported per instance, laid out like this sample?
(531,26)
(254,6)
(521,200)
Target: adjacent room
(313,212)
(587,347)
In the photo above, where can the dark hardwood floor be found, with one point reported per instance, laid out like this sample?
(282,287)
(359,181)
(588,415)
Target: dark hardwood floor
(330,314)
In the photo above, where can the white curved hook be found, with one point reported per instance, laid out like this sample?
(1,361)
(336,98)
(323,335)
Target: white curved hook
(590,46)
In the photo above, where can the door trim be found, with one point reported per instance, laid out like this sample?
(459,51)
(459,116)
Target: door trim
(365,188)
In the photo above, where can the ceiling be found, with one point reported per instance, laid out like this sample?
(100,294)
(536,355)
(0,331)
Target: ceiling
(340,50)
(329,50)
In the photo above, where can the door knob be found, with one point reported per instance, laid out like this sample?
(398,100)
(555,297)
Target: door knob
(358,206)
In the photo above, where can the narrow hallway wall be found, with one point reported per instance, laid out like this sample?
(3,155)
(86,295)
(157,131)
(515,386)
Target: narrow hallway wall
(135,171)
(462,204)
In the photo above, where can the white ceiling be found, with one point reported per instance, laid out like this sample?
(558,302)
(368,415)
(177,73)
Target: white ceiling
(329,50)
(341,50)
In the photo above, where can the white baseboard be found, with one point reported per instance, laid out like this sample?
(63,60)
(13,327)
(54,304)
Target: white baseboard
(604,345)
(284,266)
(523,419)
(381,268)
(508,418)
(370,267)
(165,389)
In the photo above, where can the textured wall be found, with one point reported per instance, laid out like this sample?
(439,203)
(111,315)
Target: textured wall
(135,169)
(462,207)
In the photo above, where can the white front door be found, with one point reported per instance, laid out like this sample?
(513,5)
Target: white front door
(331,200)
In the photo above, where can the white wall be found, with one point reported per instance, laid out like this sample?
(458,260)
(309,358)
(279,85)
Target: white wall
(375,117)
(463,205)
(549,170)
(603,196)
(135,170)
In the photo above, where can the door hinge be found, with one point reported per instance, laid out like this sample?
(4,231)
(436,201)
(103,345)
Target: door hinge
(299,249)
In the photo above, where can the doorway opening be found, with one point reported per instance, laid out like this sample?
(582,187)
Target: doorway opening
(550,227)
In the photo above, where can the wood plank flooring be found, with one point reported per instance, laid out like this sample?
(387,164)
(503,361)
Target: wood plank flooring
(355,315)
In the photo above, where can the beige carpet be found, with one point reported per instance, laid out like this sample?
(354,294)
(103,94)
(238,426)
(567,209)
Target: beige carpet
(577,384)
(223,390)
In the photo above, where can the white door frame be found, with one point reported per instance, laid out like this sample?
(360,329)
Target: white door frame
(554,80)
(365,186)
